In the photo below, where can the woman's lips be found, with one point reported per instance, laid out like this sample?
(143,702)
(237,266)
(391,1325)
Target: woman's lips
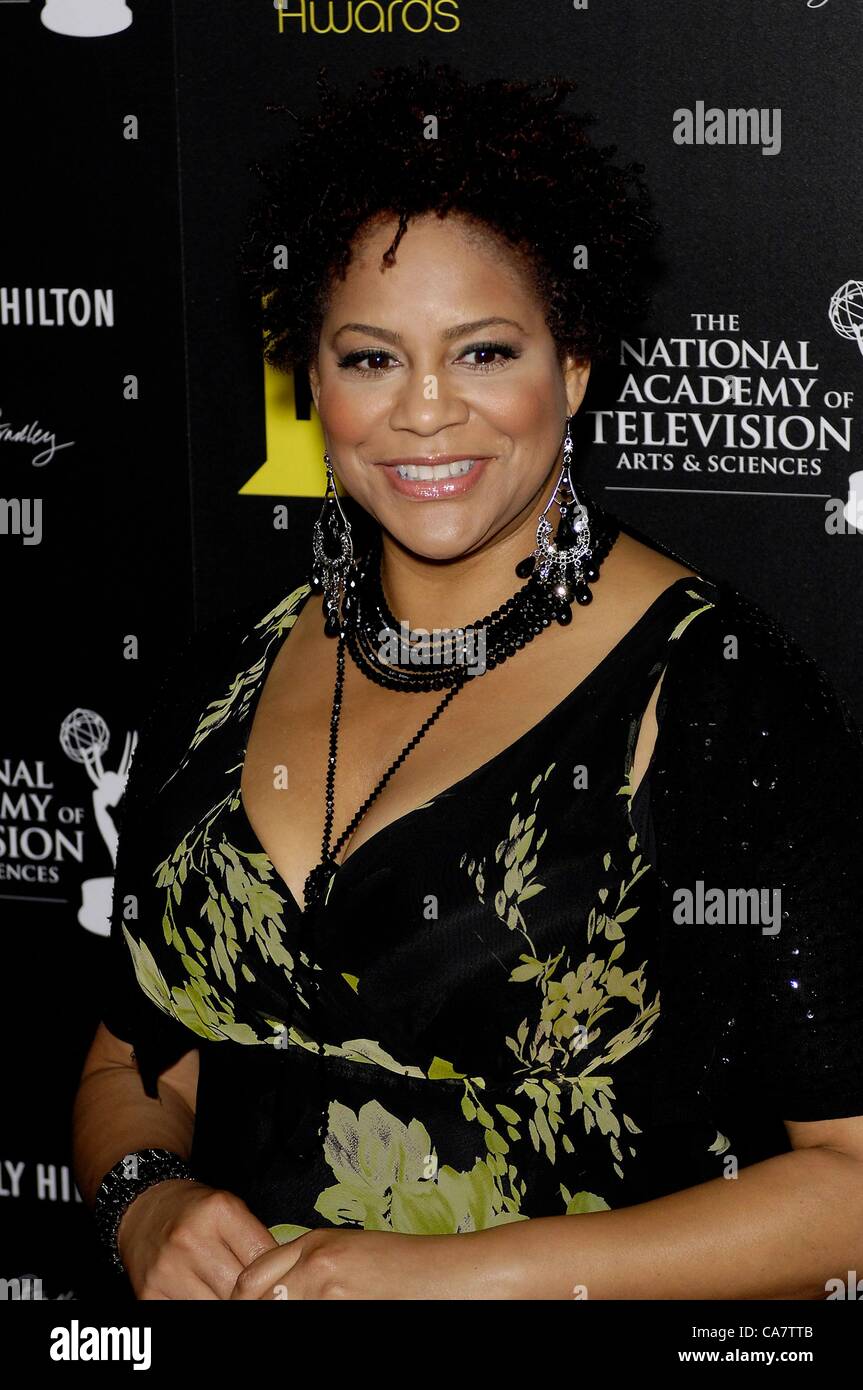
(417,478)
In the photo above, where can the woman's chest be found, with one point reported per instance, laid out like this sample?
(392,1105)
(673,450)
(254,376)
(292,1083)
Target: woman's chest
(389,753)
(513,914)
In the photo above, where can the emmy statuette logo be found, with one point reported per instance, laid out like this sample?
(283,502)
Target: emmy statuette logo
(84,737)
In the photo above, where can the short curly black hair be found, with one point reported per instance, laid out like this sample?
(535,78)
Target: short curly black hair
(507,154)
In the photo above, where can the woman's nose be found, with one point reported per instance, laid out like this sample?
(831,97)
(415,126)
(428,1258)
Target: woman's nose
(426,404)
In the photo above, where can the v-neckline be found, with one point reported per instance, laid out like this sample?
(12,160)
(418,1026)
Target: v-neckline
(579,690)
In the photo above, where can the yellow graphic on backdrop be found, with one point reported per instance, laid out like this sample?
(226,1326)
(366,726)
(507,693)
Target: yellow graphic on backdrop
(294,464)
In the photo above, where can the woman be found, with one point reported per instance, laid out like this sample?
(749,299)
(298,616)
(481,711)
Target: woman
(511,982)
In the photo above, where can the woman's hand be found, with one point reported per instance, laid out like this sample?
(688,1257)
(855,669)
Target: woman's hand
(185,1240)
(349,1264)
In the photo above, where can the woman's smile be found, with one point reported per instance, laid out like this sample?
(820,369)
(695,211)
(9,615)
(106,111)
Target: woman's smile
(435,478)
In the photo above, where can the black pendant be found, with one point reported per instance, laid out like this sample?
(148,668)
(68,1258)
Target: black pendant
(316,883)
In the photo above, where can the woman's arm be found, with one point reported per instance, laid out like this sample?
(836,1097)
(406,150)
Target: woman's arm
(113,1116)
(177,1239)
(779,1229)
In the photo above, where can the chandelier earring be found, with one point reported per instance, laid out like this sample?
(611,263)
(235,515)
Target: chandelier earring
(333,566)
(566,562)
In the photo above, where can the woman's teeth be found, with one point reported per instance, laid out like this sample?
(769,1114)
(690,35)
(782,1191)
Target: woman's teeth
(423,471)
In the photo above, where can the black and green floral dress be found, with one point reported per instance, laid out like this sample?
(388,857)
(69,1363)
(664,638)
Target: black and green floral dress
(500,1010)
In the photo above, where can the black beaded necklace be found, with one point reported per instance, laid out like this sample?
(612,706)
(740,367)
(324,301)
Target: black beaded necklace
(368,622)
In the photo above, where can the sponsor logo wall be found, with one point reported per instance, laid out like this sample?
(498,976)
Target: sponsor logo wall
(153,473)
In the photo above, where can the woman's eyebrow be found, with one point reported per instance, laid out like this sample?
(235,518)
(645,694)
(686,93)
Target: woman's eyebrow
(459,331)
(464,328)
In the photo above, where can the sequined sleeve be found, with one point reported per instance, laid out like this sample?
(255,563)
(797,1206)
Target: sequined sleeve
(757,783)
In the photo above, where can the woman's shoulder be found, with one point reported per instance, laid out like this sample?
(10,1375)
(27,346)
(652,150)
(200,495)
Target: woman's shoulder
(725,647)
(240,627)
(226,646)
(740,657)
(742,705)
(209,683)
(754,735)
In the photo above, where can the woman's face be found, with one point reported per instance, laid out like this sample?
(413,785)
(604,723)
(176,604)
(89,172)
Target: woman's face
(441,361)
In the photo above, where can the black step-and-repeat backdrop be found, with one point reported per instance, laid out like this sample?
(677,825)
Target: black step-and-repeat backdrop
(153,473)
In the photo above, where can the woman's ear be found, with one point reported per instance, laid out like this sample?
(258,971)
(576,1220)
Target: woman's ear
(575,373)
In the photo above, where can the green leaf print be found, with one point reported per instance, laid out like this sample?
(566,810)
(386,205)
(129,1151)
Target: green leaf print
(687,619)
(720,1145)
(583,1202)
(287,1232)
(195,1004)
(583,1019)
(389,1179)
(238,698)
(441,1068)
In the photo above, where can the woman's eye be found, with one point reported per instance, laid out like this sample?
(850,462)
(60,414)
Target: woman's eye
(376,358)
(485,353)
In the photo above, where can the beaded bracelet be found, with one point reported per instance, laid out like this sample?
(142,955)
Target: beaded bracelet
(127,1180)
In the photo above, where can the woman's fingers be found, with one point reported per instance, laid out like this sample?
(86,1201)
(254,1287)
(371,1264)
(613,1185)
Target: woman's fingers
(243,1240)
(269,1269)
(219,1271)
(190,1241)
(193,1288)
(246,1237)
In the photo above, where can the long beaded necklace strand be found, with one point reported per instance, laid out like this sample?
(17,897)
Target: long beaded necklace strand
(318,877)
(509,628)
